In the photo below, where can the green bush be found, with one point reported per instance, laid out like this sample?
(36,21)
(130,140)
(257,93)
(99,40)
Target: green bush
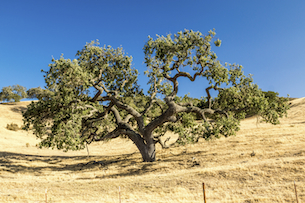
(273,99)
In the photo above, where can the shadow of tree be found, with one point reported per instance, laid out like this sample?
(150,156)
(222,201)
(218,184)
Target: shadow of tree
(25,163)
(8,103)
(128,164)
(300,122)
(18,109)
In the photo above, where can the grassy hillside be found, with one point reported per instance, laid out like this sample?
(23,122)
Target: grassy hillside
(260,164)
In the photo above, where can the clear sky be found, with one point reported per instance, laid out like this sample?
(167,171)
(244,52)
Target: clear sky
(266,37)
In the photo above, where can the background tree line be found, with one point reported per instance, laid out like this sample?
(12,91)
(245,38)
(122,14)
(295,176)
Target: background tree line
(17,92)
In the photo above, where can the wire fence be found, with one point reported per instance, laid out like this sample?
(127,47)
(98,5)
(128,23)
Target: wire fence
(122,197)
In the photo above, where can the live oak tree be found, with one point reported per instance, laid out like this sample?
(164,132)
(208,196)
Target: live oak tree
(70,117)
(39,93)
(13,93)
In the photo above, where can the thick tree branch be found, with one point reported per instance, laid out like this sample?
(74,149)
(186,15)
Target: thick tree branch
(125,129)
(186,104)
(114,134)
(127,118)
(101,88)
(116,115)
(202,112)
(209,95)
(100,116)
(168,115)
(138,117)
(94,99)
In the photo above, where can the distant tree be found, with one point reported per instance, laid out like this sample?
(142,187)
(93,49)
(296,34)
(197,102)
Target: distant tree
(71,117)
(39,93)
(13,93)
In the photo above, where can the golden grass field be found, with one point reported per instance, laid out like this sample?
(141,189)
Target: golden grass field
(225,165)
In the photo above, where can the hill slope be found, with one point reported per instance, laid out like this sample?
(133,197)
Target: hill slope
(258,165)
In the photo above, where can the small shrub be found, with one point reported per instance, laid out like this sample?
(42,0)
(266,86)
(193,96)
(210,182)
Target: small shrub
(13,126)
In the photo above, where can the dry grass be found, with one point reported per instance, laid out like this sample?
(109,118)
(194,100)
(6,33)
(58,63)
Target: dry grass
(13,126)
(226,166)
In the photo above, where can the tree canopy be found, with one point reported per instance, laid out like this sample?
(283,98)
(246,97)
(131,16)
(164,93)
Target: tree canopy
(96,96)
(39,93)
(13,93)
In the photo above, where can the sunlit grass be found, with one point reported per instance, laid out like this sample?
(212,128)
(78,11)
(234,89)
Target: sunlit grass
(226,167)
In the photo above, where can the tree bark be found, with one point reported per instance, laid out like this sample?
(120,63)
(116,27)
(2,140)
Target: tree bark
(147,149)
(146,146)
(150,154)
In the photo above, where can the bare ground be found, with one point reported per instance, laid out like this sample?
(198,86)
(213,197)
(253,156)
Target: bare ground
(260,164)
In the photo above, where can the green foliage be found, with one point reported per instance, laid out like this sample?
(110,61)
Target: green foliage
(277,107)
(237,96)
(62,121)
(66,117)
(39,93)
(264,104)
(217,43)
(13,93)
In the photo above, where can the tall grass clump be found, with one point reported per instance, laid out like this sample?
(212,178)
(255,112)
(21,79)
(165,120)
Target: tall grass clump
(12,126)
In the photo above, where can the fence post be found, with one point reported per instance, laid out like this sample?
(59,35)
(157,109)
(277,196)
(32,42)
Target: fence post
(46,195)
(119,194)
(203,187)
(296,194)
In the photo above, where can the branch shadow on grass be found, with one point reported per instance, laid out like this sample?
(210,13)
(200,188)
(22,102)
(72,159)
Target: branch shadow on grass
(126,164)
(25,163)
(18,109)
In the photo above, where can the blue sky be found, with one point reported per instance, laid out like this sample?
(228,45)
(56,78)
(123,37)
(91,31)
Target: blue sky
(266,37)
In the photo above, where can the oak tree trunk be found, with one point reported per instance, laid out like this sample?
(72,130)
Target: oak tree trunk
(147,148)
